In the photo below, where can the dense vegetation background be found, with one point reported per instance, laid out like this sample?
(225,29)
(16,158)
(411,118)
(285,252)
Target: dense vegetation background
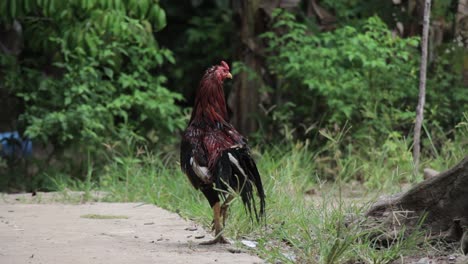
(86,79)
(326,91)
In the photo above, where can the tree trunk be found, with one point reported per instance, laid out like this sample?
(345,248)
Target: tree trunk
(244,97)
(441,202)
(422,86)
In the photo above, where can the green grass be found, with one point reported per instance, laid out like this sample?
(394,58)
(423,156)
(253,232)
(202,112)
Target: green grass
(310,195)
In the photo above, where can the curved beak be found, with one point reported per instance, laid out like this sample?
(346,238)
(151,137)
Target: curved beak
(229,75)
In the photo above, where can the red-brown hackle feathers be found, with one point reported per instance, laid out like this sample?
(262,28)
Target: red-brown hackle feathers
(210,104)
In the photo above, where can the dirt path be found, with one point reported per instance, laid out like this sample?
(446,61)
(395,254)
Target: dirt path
(103,233)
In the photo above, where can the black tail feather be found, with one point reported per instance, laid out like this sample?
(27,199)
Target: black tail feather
(237,170)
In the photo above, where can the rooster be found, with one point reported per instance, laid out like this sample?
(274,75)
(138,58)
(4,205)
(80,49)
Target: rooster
(215,156)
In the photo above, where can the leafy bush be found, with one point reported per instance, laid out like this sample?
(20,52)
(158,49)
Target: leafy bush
(447,95)
(362,74)
(90,69)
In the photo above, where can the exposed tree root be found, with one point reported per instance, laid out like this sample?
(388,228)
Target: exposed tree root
(438,206)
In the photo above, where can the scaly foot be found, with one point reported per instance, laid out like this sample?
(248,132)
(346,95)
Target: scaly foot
(217,240)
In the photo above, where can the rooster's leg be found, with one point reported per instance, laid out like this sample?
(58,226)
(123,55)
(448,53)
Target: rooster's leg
(225,208)
(217,226)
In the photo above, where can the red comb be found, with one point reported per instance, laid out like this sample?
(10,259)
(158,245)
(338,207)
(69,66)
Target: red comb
(225,65)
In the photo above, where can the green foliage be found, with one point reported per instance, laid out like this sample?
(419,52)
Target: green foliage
(447,95)
(442,10)
(90,70)
(353,11)
(209,33)
(361,74)
(346,9)
(201,34)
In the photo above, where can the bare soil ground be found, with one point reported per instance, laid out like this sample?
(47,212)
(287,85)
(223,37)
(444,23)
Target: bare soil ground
(40,230)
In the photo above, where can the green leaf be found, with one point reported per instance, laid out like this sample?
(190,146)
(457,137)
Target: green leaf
(109,72)
(12,8)
(159,17)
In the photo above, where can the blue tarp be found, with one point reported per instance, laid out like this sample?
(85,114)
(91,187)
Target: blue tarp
(12,145)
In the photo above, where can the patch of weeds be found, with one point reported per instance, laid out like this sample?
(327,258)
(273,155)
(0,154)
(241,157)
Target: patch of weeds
(98,216)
